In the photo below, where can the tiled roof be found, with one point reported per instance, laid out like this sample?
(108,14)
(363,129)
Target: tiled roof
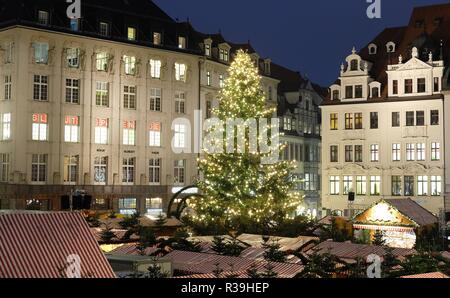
(286,244)
(38,244)
(413,210)
(131,249)
(427,275)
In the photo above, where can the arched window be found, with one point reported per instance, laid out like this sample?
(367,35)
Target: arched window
(390,47)
(375,92)
(372,49)
(354,65)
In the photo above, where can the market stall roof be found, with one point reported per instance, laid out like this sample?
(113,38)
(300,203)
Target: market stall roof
(40,245)
(286,244)
(427,275)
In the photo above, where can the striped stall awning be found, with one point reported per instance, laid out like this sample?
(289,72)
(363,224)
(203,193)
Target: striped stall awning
(382,228)
(40,245)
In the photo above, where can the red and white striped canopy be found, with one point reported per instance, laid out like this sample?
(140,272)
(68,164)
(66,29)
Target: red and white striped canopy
(39,245)
(383,228)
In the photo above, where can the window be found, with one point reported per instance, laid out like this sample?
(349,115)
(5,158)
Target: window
(409,185)
(334,185)
(395,119)
(434,117)
(179,171)
(348,91)
(373,120)
(155,134)
(358,91)
(375,92)
(157,40)
(208,78)
(208,49)
(221,81)
(39,168)
(421,86)
(43,17)
(5,126)
(73,57)
(421,151)
(71,129)
(374,153)
(396,182)
(129,97)
(41,52)
(129,133)
(155,99)
(40,88)
(436,185)
(181,42)
(408,86)
(422,185)
(101,60)
(131,33)
(349,153)
(354,65)
(127,206)
(334,121)
(180,136)
(208,109)
(154,206)
(223,55)
(102,94)
(104,29)
(420,118)
(154,176)
(74,24)
(9,52)
(128,170)
(73,91)
(39,128)
(4,167)
(8,87)
(348,121)
(100,170)
(101,131)
(336,95)
(395,87)
(155,69)
(410,152)
(180,102)
(396,152)
(71,169)
(435,151)
(270,93)
(436,84)
(409,118)
(375,185)
(180,72)
(287,123)
(361,185)
(348,184)
(358,121)
(130,65)
(334,152)
(358,153)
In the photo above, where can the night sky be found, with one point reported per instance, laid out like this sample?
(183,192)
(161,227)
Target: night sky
(310,36)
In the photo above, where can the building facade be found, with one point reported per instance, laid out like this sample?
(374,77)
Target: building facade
(385,128)
(88,105)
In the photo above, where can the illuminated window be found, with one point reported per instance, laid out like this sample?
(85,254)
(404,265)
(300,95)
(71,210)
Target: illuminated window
(102,60)
(374,152)
(129,97)
(221,81)
(5,128)
(180,72)
(71,169)
(396,182)
(208,78)
(179,172)
(155,171)
(223,55)
(128,170)
(287,123)
(41,52)
(358,121)
(180,102)
(155,134)
(157,40)
(207,49)
(436,84)
(155,69)
(361,185)
(154,206)
(104,29)
(40,127)
(39,168)
(420,151)
(73,57)
(127,206)
(436,185)
(40,88)
(334,121)
(334,185)
(181,42)
(101,131)
(422,185)
(73,91)
(375,185)
(130,65)
(180,136)
(396,152)
(71,129)
(435,151)
(410,152)
(102,94)
(100,170)
(129,133)
(155,99)
(131,33)
(43,17)
(348,184)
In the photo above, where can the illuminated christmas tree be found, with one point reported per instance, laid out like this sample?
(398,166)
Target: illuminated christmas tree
(238,187)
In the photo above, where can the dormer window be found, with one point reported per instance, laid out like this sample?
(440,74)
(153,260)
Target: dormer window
(43,17)
(372,49)
(103,29)
(390,47)
(335,95)
(267,67)
(131,33)
(354,65)
(223,55)
(74,24)
(181,42)
(208,49)
(157,40)
(420,23)
(375,92)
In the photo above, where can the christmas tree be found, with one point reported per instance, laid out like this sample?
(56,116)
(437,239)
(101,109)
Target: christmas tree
(238,186)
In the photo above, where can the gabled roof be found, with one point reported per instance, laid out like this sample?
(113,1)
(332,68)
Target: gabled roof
(414,211)
(427,275)
(38,245)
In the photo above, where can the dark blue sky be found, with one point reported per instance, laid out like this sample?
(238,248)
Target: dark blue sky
(310,36)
